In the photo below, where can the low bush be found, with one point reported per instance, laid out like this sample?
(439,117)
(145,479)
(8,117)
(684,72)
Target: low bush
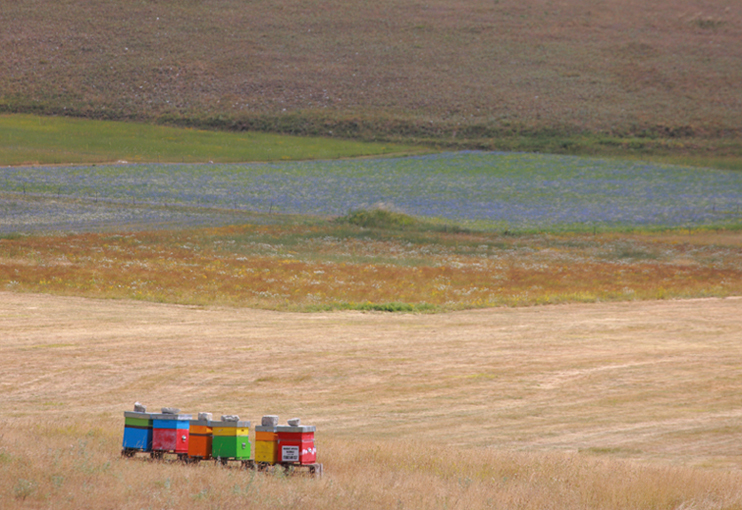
(379,217)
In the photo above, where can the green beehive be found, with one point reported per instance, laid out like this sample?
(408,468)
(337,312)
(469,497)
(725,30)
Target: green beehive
(231,440)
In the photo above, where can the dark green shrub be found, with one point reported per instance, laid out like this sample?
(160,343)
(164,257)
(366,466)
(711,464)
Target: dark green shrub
(378,218)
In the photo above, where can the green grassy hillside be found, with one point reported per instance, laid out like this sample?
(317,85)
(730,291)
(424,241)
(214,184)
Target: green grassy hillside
(572,76)
(33,139)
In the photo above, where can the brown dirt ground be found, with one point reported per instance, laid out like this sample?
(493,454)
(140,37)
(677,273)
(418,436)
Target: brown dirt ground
(656,381)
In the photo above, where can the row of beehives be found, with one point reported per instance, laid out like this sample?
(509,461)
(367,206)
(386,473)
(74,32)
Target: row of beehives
(225,439)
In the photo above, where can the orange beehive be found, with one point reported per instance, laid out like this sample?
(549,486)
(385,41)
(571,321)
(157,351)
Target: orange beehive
(201,438)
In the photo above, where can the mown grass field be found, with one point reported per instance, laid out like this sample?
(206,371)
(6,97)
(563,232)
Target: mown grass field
(609,406)
(571,77)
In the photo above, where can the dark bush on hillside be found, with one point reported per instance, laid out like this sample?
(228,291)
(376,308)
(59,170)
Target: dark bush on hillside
(378,218)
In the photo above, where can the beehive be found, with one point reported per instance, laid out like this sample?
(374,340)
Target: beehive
(137,431)
(296,444)
(200,439)
(170,433)
(231,440)
(266,444)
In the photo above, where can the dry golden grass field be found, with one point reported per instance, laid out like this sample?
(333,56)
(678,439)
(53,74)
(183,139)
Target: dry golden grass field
(620,405)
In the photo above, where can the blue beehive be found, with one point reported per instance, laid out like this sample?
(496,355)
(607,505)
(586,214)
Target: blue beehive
(137,432)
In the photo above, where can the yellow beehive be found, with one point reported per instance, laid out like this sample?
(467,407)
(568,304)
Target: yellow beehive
(265,451)
(266,445)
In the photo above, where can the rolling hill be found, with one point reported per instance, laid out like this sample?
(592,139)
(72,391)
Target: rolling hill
(572,76)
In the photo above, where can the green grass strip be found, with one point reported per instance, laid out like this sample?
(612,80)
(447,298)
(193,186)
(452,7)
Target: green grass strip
(29,139)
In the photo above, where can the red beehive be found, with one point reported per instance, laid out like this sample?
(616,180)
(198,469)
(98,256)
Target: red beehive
(170,433)
(296,444)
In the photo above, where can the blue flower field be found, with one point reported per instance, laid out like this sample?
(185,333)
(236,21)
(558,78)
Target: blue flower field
(478,189)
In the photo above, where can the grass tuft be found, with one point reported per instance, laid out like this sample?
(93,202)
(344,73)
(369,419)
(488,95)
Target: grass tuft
(377,307)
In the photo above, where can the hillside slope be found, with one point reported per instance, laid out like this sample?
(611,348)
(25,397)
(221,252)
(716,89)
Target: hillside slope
(450,71)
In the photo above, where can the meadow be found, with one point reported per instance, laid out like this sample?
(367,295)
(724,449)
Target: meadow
(487,229)
(601,406)
(337,265)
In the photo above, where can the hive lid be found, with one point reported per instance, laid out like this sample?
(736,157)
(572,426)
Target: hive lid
(134,414)
(179,417)
(202,423)
(234,424)
(301,428)
(263,428)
